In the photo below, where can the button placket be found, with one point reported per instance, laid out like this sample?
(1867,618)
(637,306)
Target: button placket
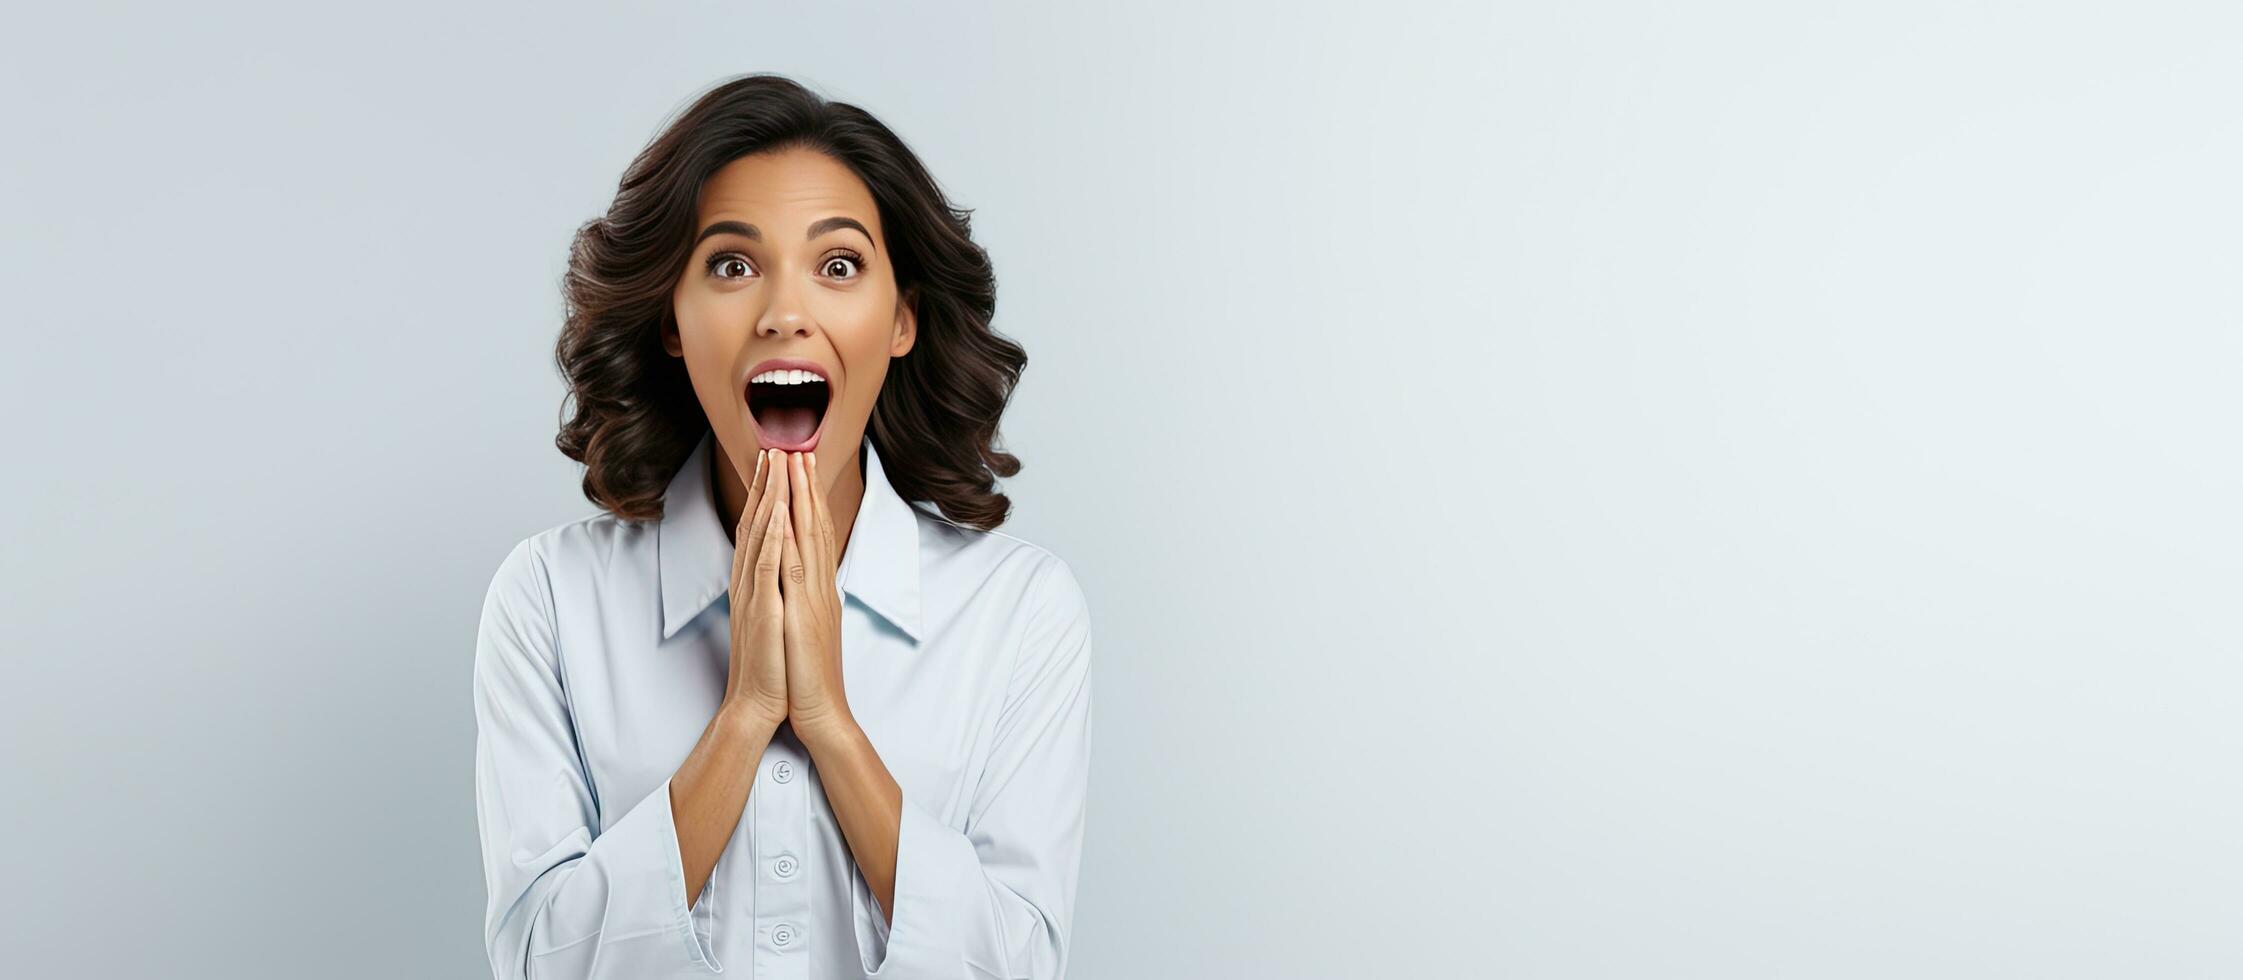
(782,834)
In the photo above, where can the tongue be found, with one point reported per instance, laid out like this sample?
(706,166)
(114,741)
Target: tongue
(788,424)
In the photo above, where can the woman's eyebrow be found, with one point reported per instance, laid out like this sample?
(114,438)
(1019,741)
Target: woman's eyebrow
(745,230)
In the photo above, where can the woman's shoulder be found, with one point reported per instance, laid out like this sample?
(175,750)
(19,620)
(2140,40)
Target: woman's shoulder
(585,545)
(998,561)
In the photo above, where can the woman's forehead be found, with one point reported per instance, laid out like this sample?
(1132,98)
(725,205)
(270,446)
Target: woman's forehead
(774,191)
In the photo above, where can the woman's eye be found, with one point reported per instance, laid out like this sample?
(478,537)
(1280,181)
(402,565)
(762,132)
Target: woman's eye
(722,261)
(848,262)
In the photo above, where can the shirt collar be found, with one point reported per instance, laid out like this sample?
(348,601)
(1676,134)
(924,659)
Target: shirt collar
(880,565)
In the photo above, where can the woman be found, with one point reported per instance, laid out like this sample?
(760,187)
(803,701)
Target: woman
(692,752)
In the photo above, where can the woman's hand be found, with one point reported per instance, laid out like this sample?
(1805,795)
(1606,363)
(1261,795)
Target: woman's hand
(757,681)
(813,605)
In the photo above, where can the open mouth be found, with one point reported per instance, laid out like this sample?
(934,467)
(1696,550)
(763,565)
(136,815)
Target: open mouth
(789,415)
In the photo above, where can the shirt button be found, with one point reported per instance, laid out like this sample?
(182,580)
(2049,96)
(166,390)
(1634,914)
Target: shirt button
(782,770)
(782,934)
(784,866)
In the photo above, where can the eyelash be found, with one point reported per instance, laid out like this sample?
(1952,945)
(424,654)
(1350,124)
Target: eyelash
(858,260)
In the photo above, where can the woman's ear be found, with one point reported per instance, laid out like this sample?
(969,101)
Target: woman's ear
(906,331)
(670,341)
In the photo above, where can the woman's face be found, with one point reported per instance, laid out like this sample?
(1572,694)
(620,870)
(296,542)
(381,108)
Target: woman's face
(789,264)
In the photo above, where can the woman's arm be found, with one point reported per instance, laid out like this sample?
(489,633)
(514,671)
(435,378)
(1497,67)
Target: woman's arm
(568,900)
(999,894)
(710,789)
(866,802)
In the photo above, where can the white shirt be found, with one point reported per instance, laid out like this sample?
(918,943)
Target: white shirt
(601,656)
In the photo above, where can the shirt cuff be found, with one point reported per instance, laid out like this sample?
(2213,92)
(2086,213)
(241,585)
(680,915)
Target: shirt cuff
(939,884)
(644,899)
(872,922)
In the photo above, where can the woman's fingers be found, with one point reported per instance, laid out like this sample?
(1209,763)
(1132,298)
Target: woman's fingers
(806,506)
(754,518)
(755,492)
(824,523)
(809,540)
(759,496)
(767,562)
(790,561)
(744,539)
(755,485)
(790,572)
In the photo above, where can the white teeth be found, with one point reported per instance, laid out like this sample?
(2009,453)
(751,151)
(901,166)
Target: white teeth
(786,377)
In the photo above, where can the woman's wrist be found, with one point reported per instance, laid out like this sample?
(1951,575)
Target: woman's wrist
(745,719)
(826,730)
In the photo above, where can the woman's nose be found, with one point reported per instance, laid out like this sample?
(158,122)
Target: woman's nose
(787,312)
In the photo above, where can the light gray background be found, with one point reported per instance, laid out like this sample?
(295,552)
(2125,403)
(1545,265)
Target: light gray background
(1565,490)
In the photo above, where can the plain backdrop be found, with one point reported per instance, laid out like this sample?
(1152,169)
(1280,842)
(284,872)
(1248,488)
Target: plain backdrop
(1608,489)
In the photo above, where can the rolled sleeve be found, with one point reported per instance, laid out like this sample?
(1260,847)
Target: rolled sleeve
(564,899)
(996,899)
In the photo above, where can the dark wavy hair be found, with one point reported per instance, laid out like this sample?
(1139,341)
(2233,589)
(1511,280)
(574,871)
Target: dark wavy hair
(935,421)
